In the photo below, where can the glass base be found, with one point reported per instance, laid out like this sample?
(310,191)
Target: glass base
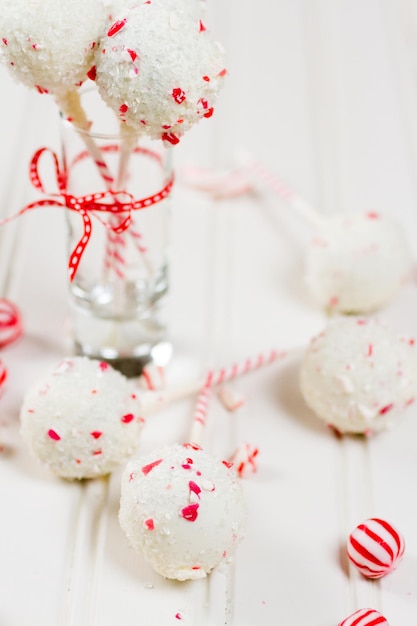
(131,365)
(126,343)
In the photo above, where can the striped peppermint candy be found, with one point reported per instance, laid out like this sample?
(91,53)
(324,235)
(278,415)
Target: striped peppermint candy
(375,547)
(10,322)
(365,617)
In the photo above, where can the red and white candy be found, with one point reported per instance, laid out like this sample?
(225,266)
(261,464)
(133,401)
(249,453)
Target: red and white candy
(365,617)
(10,322)
(375,547)
(159,70)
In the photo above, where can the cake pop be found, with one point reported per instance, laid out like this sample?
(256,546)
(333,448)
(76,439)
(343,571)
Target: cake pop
(159,70)
(358,376)
(49,44)
(375,547)
(182,509)
(82,419)
(357,263)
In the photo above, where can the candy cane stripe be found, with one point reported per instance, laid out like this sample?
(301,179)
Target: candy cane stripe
(375,547)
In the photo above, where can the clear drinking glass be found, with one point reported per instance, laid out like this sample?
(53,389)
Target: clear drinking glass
(118,295)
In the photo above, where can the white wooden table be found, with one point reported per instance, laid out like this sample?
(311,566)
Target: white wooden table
(324,92)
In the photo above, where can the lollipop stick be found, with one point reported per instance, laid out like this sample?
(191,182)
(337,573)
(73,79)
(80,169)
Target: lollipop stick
(70,105)
(301,206)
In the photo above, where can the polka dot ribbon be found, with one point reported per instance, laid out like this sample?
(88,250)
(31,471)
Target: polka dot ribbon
(114,202)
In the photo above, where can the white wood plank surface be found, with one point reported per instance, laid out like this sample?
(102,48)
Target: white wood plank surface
(324,92)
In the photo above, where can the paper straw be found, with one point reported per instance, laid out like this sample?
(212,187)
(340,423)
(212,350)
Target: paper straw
(152,401)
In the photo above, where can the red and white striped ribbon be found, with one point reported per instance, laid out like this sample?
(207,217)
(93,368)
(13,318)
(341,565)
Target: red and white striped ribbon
(365,617)
(375,547)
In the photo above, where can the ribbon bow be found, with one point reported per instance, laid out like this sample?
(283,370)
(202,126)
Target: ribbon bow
(114,202)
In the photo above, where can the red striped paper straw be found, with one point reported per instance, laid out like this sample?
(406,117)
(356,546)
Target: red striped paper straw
(155,400)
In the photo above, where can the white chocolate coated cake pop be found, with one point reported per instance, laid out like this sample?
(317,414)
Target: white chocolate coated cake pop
(182,509)
(359,376)
(159,70)
(49,44)
(82,419)
(357,263)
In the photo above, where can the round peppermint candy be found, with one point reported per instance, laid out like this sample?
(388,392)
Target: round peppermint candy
(10,323)
(375,547)
(365,617)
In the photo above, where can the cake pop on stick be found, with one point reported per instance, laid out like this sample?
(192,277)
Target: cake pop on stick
(181,508)
(159,70)
(358,375)
(49,45)
(354,264)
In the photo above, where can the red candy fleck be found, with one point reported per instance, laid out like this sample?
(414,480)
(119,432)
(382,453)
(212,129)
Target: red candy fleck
(385,409)
(133,54)
(147,468)
(39,88)
(103,366)
(116,27)
(123,108)
(194,488)
(370,350)
(4,40)
(186,466)
(178,94)
(149,523)
(126,419)
(209,113)
(202,27)
(53,435)
(178,616)
(170,138)
(206,78)
(97,452)
(92,73)
(223,72)
(372,215)
(96,434)
(190,512)
(227,464)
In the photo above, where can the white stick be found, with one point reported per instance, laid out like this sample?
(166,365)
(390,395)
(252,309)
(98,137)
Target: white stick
(299,204)
(70,105)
